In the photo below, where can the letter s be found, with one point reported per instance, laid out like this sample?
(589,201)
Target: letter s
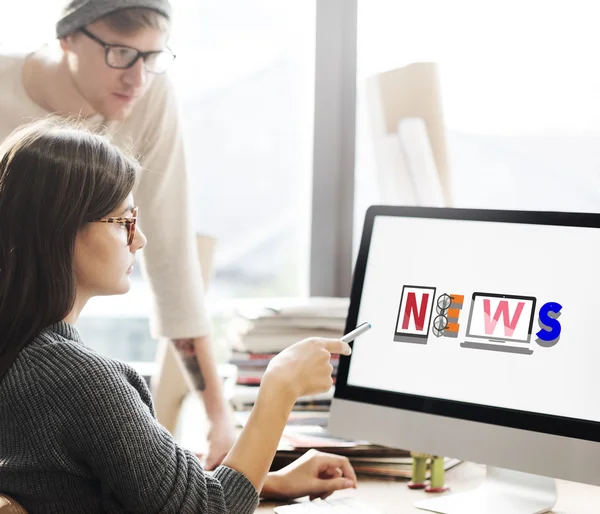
(548,321)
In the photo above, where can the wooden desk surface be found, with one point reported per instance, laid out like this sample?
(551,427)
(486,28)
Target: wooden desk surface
(393,497)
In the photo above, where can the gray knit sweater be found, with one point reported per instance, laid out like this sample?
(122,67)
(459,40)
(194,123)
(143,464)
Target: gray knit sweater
(78,435)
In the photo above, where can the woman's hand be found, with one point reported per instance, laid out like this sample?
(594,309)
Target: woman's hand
(315,474)
(305,367)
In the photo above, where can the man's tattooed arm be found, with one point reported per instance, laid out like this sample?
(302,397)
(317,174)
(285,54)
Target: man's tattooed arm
(187,352)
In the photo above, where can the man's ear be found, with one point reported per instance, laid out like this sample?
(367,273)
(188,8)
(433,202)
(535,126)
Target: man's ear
(66,43)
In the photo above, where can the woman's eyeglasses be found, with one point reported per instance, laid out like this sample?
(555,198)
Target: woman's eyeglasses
(129,222)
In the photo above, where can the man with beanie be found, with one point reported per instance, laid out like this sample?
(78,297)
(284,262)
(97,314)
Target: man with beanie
(107,67)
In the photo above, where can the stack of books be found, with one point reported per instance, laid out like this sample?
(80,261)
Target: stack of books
(243,399)
(272,328)
(258,334)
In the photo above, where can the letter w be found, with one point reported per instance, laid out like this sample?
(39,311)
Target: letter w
(502,309)
(418,313)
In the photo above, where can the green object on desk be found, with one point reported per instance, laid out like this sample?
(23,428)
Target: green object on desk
(419,469)
(437,472)
(436,483)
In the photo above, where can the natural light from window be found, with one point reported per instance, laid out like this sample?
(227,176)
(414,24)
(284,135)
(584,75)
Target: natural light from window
(520,96)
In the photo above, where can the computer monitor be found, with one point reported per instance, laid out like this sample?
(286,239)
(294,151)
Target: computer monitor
(483,347)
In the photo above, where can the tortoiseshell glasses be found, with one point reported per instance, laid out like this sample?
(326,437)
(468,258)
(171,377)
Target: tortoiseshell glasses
(129,222)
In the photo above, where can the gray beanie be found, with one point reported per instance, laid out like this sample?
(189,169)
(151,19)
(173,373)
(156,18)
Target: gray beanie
(79,13)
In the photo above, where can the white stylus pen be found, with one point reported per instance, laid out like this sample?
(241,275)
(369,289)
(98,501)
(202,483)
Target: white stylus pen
(351,336)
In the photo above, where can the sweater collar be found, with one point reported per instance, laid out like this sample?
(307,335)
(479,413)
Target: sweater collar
(65,330)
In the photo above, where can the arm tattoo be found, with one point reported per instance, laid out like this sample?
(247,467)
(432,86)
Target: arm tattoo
(187,352)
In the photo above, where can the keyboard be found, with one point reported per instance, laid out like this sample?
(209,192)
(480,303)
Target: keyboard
(347,505)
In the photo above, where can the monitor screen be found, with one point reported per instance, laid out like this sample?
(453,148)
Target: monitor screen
(484,312)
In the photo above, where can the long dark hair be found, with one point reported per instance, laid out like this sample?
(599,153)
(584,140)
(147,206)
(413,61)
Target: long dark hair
(54,178)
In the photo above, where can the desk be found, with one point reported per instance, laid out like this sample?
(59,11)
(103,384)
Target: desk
(393,497)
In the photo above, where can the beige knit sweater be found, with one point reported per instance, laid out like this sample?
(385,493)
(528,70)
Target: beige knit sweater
(153,134)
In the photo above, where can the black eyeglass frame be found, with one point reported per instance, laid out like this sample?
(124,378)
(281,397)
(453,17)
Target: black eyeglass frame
(107,47)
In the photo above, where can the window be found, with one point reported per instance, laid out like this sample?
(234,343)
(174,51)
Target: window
(245,78)
(520,96)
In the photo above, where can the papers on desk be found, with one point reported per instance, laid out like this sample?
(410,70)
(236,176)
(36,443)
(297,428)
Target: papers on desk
(273,327)
(393,468)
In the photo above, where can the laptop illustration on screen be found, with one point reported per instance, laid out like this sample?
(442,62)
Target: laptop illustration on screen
(501,323)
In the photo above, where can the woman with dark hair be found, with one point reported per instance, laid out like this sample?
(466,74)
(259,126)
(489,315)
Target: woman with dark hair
(77,430)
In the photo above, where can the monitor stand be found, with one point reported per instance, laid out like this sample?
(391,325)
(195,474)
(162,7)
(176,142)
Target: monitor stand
(502,492)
